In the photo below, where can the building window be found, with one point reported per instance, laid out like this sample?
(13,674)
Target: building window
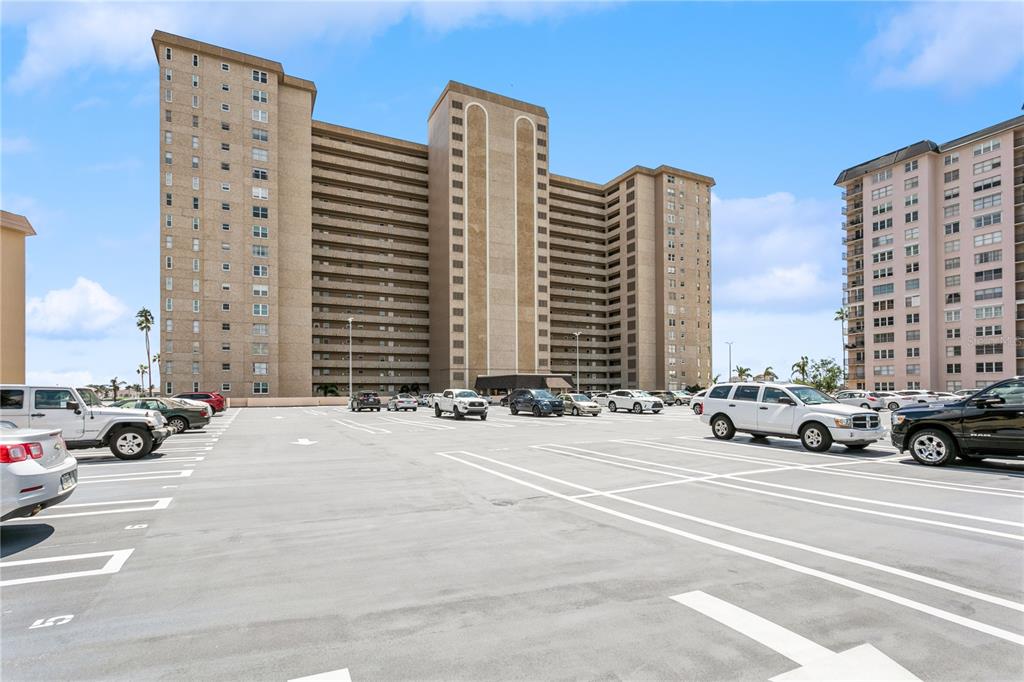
(224,106)
(260,329)
(260,174)
(260,250)
(259,96)
(910,166)
(261,309)
(260,368)
(259,76)
(986,147)
(260,290)
(260,212)
(195,81)
(260,193)
(260,271)
(260,232)
(988,238)
(260,388)
(260,154)
(167,53)
(260,134)
(260,115)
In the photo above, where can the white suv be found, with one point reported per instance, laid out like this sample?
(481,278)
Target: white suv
(637,401)
(789,411)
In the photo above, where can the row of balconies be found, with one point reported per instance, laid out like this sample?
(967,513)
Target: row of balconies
(394,188)
(347,149)
(374,170)
(340,209)
(369,227)
(336,244)
(379,202)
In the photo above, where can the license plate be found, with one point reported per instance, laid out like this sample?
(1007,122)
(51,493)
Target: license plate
(68,479)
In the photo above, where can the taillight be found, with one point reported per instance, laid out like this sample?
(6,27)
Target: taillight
(872,399)
(19,452)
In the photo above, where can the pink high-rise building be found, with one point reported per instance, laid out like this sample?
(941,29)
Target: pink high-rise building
(934,249)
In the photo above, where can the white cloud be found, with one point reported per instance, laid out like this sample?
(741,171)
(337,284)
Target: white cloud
(793,283)
(776,250)
(59,378)
(765,338)
(15,145)
(65,37)
(960,46)
(85,310)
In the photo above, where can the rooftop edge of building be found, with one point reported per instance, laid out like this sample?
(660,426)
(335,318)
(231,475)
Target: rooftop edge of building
(17,222)
(635,170)
(924,146)
(370,136)
(462,88)
(234,55)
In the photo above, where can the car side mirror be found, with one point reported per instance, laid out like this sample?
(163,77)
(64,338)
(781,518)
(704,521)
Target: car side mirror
(989,402)
(787,401)
(71,405)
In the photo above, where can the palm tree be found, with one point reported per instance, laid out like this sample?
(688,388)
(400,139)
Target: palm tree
(115,385)
(144,321)
(742,373)
(800,368)
(137,388)
(769,374)
(715,379)
(842,315)
(141,371)
(156,361)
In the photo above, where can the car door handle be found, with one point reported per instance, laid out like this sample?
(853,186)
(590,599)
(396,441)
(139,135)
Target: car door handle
(731,405)
(762,408)
(37,414)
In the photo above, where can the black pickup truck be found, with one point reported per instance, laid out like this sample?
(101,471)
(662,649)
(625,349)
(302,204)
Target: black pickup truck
(989,423)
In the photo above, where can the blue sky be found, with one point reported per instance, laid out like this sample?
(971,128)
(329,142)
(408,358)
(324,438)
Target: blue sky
(773,100)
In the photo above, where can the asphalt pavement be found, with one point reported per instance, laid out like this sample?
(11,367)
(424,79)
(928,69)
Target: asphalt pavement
(281,543)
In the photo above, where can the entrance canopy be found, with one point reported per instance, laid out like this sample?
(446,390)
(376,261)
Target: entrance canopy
(506,383)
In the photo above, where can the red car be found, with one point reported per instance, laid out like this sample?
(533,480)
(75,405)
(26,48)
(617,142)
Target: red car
(214,400)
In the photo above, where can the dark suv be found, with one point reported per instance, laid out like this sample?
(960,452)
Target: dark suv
(989,423)
(366,400)
(539,401)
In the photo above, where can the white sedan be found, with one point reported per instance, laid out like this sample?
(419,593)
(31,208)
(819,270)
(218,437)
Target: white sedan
(635,401)
(36,470)
(402,402)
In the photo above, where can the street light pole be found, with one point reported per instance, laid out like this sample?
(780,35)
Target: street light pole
(577,335)
(729,373)
(350,363)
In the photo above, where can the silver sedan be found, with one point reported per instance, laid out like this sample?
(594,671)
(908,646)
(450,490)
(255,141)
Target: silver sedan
(36,470)
(577,404)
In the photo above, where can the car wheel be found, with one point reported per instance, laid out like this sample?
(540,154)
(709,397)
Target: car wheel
(131,443)
(575,411)
(179,424)
(458,415)
(638,408)
(655,411)
(483,417)
(612,408)
(437,411)
(893,406)
(815,437)
(856,446)
(679,402)
(865,406)
(722,428)
(933,447)
(513,409)
(536,411)
(696,409)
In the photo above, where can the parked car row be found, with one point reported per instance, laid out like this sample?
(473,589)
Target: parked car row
(935,428)
(42,424)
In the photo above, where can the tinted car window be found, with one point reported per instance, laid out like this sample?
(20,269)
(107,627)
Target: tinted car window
(52,400)
(12,400)
(720,391)
(1012,392)
(746,393)
(772,395)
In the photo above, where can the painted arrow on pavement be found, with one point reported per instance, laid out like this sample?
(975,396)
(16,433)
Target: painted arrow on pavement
(863,662)
(304,441)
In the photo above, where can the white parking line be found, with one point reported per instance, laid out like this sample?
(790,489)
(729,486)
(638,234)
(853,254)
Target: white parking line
(161,460)
(375,430)
(415,424)
(113,565)
(332,676)
(714,479)
(160,503)
(140,476)
(782,563)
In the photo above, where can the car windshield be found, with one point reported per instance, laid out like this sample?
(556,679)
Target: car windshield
(580,398)
(466,394)
(89,397)
(543,395)
(811,396)
(404,396)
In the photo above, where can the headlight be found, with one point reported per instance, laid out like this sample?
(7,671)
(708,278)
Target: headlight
(843,421)
(898,418)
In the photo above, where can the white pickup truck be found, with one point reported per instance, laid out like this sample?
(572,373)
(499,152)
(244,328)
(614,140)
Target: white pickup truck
(460,402)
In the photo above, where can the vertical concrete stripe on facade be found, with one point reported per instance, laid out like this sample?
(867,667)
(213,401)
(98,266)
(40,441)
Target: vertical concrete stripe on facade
(477,179)
(526,253)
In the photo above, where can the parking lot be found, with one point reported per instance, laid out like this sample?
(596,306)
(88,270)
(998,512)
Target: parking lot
(280,543)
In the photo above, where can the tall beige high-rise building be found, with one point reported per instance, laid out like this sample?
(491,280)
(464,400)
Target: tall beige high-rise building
(453,259)
(934,248)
